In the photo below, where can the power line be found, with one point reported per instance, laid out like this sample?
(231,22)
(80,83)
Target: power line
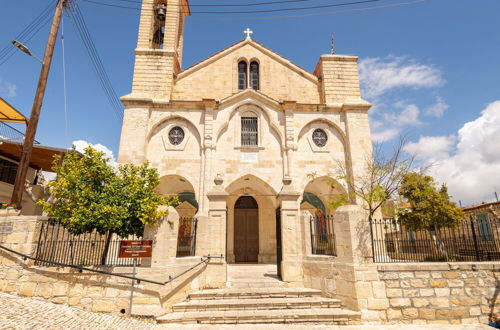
(86,38)
(351,10)
(251,11)
(231,5)
(28,32)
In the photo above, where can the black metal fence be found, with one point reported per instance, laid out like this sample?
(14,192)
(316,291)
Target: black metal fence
(186,239)
(322,235)
(57,244)
(475,239)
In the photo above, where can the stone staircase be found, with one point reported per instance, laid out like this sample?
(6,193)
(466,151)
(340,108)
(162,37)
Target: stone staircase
(255,295)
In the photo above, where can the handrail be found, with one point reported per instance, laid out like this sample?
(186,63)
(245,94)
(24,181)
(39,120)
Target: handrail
(204,259)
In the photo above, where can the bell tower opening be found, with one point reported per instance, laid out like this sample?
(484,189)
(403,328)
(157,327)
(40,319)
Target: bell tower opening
(159,47)
(160,16)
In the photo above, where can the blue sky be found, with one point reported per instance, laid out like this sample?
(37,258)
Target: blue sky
(429,68)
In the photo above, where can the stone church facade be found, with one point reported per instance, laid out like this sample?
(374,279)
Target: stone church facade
(247,133)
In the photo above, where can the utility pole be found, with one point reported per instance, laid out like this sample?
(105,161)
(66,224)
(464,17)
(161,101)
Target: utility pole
(17,194)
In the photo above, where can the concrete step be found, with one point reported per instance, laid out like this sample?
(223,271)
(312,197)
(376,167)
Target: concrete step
(254,284)
(261,316)
(256,303)
(242,293)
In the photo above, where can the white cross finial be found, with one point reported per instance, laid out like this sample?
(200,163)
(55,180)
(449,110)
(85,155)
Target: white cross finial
(248,32)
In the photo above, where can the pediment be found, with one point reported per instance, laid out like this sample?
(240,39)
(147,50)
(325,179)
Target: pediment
(249,94)
(257,46)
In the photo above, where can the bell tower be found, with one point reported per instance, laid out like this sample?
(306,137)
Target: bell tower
(159,47)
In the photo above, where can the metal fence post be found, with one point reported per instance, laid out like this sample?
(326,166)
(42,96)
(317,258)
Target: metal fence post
(474,239)
(373,241)
(311,219)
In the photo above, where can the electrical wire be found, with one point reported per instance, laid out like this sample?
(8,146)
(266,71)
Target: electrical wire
(231,5)
(29,32)
(89,45)
(252,11)
(407,3)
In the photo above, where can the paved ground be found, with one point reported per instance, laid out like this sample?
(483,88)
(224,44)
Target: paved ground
(28,313)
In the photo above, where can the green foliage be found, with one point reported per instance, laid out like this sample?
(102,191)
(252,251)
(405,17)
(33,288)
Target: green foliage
(90,195)
(431,207)
(338,201)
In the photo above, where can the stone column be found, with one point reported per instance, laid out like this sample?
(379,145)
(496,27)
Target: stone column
(357,280)
(208,149)
(289,145)
(164,236)
(352,235)
(291,235)
(212,239)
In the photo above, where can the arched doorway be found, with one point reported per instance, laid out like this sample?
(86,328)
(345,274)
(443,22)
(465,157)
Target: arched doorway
(246,230)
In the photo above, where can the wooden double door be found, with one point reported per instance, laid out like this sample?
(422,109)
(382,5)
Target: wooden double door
(246,232)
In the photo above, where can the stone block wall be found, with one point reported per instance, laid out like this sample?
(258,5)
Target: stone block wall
(440,292)
(98,292)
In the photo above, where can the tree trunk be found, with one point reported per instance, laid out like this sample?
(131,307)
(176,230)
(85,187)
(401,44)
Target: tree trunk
(104,256)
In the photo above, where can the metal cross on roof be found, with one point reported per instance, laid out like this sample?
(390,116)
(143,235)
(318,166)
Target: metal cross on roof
(248,32)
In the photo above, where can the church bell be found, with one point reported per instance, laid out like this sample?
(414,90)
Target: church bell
(161,12)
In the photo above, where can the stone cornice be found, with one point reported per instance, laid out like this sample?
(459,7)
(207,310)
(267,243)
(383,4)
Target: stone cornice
(131,100)
(155,52)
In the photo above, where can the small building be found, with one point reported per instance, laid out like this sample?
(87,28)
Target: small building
(11,146)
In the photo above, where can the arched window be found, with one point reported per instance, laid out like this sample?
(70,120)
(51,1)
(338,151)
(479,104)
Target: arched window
(242,75)
(254,75)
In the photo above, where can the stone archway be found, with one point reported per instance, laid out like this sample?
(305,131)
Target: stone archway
(264,196)
(246,230)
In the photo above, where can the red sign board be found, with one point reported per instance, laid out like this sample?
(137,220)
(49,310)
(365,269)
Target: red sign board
(136,249)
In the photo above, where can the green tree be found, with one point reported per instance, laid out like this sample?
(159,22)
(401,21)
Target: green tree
(89,195)
(430,206)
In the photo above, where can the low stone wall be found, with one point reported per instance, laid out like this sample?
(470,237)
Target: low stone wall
(452,293)
(100,292)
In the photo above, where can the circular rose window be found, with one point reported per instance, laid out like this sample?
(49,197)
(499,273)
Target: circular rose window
(319,137)
(176,136)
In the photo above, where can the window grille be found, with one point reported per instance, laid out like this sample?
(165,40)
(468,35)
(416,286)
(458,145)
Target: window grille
(242,75)
(249,131)
(8,171)
(254,75)
(319,137)
(176,136)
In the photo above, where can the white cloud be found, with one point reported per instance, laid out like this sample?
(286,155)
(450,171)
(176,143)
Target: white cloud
(431,147)
(7,89)
(379,75)
(472,170)
(80,146)
(409,115)
(437,110)
(385,135)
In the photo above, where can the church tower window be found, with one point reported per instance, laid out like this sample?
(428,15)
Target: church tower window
(249,132)
(176,136)
(159,28)
(242,75)
(319,137)
(254,75)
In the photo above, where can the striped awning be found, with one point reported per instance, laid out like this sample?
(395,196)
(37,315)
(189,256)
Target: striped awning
(9,114)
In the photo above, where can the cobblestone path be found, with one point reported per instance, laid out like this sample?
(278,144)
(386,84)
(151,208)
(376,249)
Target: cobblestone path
(29,313)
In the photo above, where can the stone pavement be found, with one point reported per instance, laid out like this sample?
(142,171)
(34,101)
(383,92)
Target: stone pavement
(28,313)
